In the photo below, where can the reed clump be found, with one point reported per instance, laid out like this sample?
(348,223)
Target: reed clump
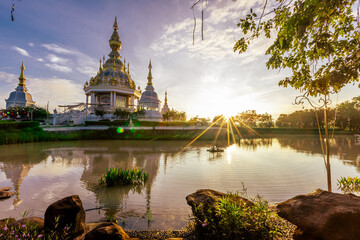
(119,176)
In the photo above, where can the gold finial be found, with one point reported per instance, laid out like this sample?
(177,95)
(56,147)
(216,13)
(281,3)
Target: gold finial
(150,75)
(100,69)
(128,70)
(22,77)
(104,60)
(124,67)
(22,66)
(115,26)
(166,97)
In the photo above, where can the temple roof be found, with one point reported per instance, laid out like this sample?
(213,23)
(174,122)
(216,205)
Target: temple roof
(149,95)
(20,96)
(113,72)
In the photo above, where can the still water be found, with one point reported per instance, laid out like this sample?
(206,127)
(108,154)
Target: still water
(276,168)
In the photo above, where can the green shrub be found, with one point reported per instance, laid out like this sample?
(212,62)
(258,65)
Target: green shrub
(231,218)
(6,125)
(349,184)
(106,123)
(118,176)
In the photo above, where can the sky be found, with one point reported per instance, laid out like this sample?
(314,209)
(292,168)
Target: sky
(61,43)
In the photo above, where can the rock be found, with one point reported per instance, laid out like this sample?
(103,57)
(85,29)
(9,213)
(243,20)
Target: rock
(71,214)
(323,215)
(107,231)
(4,189)
(208,197)
(6,194)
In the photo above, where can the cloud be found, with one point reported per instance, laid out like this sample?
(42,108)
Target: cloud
(58,67)
(39,59)
(31,44)
(55,59)
(56,48)
(8,78)
(56,90)
(21,51)
(84,63)
(220,34)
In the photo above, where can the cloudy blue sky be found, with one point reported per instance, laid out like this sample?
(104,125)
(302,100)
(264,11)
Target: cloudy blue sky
(61,42)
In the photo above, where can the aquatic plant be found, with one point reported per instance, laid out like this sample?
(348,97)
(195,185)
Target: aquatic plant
(349,184)
(118,176)
(230,218)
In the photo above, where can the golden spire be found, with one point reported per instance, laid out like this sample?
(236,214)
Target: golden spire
(150,75)
(166,97)
(124,67)
(100,69)
(128,70)
(22,77)
(104,60)
(115,26)
(114,41)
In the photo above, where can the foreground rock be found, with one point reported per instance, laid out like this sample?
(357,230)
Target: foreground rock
(323,215)
(207,198)
(5,193)
(107,231)
(70,213)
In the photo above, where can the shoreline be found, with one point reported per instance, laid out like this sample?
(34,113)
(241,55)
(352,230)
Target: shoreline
(76,133)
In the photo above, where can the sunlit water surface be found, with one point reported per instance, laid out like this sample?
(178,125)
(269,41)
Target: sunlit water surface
(277,168)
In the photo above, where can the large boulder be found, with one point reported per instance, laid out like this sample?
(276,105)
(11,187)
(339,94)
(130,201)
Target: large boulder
(70,213)
(323,215)
(107,231)
(5,193)
(206,198)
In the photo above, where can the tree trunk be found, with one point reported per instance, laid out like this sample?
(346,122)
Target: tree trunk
(328,171)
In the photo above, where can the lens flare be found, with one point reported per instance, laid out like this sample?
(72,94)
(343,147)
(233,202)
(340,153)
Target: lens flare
(119,130)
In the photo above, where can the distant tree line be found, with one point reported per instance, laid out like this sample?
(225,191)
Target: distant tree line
(250,118)
(174,115)
(346,115)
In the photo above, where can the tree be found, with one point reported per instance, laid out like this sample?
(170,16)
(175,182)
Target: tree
(100,111)
(174,115)
(138,113)
(201,120)
(317,40)
(121,114)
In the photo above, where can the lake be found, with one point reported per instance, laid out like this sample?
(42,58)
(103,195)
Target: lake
(276,168)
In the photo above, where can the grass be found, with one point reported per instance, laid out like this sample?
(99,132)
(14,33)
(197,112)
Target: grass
(118,176)
(349,184)
(231,219)
(30,231)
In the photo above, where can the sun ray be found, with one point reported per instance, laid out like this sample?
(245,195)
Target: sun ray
(232,132)
(236,128)
(228,132)
(218,132)
(249,127)
(200,135)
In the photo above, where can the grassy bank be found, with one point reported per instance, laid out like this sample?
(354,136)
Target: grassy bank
(37,134)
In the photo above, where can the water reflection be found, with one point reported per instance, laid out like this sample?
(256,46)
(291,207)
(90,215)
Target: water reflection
(44,172)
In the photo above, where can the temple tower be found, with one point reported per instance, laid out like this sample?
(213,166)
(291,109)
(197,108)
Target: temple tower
(20,97)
